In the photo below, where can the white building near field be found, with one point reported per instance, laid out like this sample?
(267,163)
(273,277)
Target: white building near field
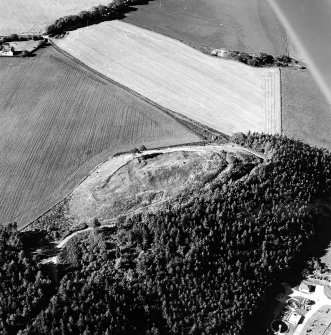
(6,50)
(222,53)
(294,318)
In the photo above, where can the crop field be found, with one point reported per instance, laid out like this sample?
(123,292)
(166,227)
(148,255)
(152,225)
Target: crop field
(31,16)
(306,112)
(225,95)
(59,120)
(245,25)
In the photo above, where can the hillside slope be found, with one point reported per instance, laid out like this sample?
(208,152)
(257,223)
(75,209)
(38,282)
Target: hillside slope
(59,120)
(129,184)
(205,264)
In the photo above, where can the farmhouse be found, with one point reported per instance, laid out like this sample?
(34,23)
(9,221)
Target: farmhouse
(6,50)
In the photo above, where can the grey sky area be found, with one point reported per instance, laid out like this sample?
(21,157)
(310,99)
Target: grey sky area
(309,24)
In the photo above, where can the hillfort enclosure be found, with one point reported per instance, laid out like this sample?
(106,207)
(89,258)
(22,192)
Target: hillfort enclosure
(164,170)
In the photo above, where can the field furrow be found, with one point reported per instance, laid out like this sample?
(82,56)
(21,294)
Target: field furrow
(57,121)
(225,95)
(271,103)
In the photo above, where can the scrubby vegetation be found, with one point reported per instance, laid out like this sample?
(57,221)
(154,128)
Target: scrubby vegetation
(97,14)
(20,38)
(257,60)
(199,268)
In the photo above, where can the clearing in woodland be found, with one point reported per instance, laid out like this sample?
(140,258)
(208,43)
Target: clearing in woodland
(245,25)
(59,120)
(225,95)
(32,16)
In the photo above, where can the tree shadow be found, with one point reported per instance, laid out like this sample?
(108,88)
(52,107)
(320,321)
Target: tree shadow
(315,247)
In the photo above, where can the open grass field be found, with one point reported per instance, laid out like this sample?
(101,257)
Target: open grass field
(306,112)
(225,95)
(245,25)
(59,120)
(319,323)
(31,16)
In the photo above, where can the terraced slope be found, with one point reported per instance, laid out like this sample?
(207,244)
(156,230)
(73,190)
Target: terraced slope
(225,95)
(31,16)
(57,122)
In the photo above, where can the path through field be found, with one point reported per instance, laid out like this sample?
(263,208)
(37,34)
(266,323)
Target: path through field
(31,16)
(225,95)
(57,122)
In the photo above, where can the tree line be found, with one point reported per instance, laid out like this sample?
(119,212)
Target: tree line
(96,14)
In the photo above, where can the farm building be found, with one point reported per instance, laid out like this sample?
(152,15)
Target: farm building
(6,50)
(222,53)
(306,288)
(294,318)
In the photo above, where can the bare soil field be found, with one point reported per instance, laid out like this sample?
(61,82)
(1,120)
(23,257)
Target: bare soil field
(244,25)
(306,114)
(32,16)
(59,120)
(221,94)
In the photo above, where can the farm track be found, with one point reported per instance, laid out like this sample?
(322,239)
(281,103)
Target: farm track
(58,121)
(224,95)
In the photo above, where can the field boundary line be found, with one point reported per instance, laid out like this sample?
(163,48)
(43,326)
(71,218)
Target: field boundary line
(22,228)
(176,116)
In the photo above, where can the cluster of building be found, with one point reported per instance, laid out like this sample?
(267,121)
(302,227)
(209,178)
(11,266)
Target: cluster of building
(293,310)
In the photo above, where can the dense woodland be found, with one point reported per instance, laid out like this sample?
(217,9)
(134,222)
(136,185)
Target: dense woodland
(198,268)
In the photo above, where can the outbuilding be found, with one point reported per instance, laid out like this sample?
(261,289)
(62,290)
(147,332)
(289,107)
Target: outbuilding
(306,288)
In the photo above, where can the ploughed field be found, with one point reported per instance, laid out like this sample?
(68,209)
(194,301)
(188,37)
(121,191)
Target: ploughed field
(245,25)
(306,114)
(32,16)
(59,120)
(225,95)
